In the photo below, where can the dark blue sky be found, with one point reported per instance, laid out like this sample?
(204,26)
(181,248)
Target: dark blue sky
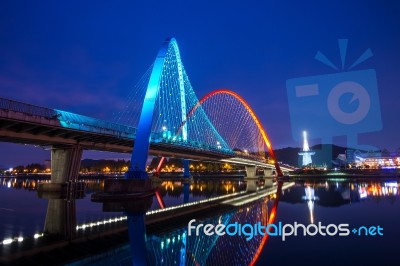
(84,56)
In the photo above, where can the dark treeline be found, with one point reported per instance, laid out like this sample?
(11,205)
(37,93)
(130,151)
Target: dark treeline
(121,166)
(30,168)
(90,165)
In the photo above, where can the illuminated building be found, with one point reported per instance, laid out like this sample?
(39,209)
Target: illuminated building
(306,153)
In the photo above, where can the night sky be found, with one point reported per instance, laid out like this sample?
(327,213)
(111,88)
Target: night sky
(84,56)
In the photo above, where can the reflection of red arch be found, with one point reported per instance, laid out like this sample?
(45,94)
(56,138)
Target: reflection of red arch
(271,220)
(251,112)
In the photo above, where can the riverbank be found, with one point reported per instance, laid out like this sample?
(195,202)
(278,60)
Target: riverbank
(350,173)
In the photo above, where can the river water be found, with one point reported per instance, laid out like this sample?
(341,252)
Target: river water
(369,207)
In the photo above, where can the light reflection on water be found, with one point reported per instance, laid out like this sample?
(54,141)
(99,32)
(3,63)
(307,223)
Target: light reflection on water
(357,202)
(23,212)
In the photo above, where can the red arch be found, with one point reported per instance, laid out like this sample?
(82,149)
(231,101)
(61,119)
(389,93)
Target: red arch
(272,215)
(251,112)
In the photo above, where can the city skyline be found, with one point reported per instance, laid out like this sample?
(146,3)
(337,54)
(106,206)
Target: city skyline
(85,58)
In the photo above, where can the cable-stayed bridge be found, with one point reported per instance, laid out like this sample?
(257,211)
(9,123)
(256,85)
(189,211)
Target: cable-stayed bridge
(162,117)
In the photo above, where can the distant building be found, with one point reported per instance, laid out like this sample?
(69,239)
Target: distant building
(371,160)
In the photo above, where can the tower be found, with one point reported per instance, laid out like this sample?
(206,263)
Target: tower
(306,153)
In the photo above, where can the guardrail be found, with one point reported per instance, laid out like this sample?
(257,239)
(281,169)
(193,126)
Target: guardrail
(81,122)
(156,138)
(28,109)
(67,119)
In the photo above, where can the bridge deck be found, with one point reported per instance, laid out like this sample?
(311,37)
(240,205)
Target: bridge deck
(30,124)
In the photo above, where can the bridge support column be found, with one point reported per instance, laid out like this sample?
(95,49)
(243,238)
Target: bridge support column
(186,168)
(250,171)
(268,177)
(251,178)
(65,164)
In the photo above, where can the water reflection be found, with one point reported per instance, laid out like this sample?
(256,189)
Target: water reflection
(334,194)
(23,213)
(172,188)
(17,183)
(201,187)
(137,238)
(168,243)
(177,247)
(174,245)
(310,198)
(61,218)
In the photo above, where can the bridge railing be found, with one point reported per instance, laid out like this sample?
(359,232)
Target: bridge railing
(69,120)
(158,138)
(81,122)
(28,109)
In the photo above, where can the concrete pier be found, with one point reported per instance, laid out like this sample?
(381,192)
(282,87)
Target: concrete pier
(251,178)
(268,177)
(65,164)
